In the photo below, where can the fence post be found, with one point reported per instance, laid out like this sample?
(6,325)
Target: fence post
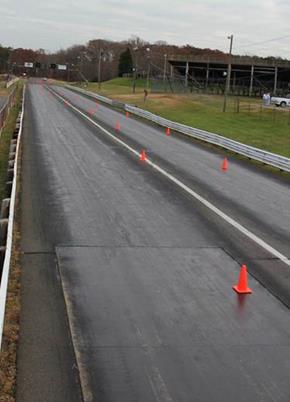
(238,105)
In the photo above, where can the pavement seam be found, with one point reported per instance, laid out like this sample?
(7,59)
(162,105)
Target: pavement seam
(138,246)
(86,392)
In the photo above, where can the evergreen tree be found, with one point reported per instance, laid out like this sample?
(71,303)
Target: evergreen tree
(4,57)
(125,63)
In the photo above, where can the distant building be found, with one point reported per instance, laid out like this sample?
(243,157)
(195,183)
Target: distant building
(249,75)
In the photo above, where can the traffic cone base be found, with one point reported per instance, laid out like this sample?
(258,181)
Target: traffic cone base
(143,156)
(225,165)
(242,285)
(244,291)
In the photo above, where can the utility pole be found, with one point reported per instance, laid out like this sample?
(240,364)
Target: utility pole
(148,68)
(228,80)
(134,80)
(134,59)
(164,71)
(148,75)
(99,69)
(67,72)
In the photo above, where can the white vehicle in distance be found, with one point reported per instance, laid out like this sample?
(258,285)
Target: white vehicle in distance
(281,101)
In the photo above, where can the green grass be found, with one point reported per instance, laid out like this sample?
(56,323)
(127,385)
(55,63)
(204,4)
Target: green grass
(117,86)
(264,128)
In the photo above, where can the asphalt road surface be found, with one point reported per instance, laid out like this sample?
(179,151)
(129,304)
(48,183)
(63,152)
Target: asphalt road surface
(259,201)
(145,269)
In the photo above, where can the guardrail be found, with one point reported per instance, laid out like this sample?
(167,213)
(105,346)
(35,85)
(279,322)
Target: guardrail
(11,82)
(100,98)
(268,158)
(91,95)
(7,216)
(6,107)
(257,154)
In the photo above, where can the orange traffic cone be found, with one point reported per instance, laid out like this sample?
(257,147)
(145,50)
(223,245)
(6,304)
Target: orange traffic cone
(143,155)
(127,114)
(225,165)
(242,286)
(90,112)
(117,126)
(167,131)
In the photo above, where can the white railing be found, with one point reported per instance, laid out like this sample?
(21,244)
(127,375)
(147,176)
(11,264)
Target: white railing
(11,82)
(91,94)
(8,250)
(268,158)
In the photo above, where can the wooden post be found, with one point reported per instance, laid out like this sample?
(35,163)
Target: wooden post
(275,80)
(238,105)
(252,80)
(186,74)
(207,75)
(234,82)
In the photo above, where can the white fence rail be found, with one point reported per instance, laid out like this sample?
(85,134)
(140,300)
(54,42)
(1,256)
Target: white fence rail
(11,82)
(268,158)
(100,98)
(257,154)
(9,238)
(91,95)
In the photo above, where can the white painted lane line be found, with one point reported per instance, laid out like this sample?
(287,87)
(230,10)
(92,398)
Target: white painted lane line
(194,194)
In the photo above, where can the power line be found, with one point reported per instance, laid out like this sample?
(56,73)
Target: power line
(266,41)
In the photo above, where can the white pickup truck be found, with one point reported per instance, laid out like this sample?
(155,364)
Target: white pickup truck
(281,101)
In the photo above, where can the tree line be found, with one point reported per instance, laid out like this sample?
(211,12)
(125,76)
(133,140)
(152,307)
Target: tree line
(107,58)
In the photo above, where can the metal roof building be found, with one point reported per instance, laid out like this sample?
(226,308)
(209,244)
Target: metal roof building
(249,76)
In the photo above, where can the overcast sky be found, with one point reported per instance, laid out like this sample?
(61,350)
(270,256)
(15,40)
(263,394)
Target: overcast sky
(56,24)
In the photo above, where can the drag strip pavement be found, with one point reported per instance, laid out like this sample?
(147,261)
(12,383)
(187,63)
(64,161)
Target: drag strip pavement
(259,202)
(250,219)
(147,274)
